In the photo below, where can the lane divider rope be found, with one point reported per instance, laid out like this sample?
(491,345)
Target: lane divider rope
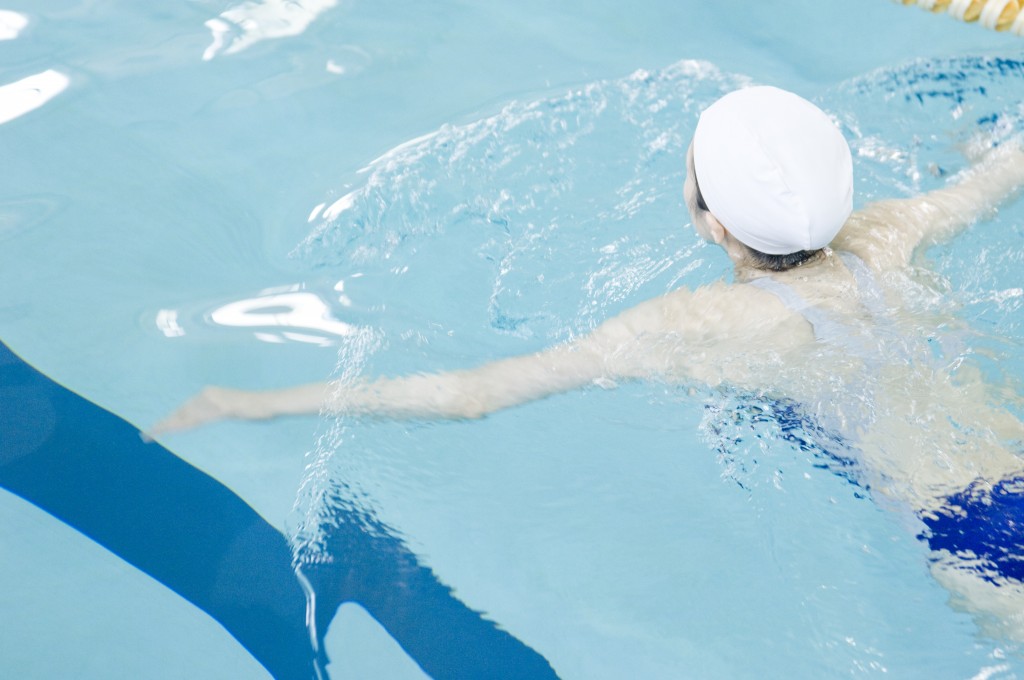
(998,15)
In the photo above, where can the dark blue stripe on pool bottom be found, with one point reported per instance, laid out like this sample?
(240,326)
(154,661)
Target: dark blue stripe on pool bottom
(986,525)
(89,468)
(445,637)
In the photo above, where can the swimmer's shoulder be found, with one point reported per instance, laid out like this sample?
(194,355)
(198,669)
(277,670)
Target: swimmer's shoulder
(878,235)
(886,233)
(714,313)
(714,333)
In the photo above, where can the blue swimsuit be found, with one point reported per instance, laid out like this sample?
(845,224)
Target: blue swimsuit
(985,526)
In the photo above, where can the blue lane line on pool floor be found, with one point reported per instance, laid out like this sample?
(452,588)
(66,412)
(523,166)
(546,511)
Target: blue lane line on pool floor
(90,469)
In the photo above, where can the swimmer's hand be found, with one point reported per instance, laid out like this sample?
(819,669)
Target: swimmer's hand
(211,405)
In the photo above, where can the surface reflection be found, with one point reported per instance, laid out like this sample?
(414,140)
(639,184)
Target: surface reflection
(28,94)
(242,26)
(167,322)
(11,24)
(276,315)
(292,310)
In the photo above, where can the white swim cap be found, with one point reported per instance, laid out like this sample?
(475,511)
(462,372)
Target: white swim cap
(774,170)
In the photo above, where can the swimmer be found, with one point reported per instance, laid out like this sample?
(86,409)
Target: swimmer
(825,312)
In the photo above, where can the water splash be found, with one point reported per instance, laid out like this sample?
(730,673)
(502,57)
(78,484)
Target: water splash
(571,204)
(320,490)
(549,192)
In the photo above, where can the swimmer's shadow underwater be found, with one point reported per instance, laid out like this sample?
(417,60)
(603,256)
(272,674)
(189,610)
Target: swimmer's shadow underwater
(91,470)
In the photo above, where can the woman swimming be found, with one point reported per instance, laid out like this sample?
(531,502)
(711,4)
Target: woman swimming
(770,180)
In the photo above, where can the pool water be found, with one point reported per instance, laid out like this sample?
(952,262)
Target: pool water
(270,193)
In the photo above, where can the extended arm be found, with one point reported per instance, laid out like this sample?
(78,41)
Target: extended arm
(887,233)
(458,394)
(703,335)
(475,392)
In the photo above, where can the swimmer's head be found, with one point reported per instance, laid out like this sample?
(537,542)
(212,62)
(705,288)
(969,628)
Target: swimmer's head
(772,169)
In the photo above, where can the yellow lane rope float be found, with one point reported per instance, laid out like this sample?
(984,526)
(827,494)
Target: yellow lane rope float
(999,15)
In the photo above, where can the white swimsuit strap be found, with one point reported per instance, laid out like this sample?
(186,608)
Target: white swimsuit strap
(867,285)
(827,328)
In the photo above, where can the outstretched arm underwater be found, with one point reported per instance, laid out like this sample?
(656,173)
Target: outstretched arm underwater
(691,326)
(453,395)
(886,233)
(645,341)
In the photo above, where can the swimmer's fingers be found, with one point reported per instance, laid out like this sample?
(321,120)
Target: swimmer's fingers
(207,406)
(211,405)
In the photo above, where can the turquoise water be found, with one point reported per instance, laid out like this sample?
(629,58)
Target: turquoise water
(495,178)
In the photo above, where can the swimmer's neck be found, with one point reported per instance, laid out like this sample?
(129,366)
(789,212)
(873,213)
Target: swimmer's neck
(747,269)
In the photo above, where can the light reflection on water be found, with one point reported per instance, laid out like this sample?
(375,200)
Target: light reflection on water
(11,24)
(243,25)
(29,93)
(281,315)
